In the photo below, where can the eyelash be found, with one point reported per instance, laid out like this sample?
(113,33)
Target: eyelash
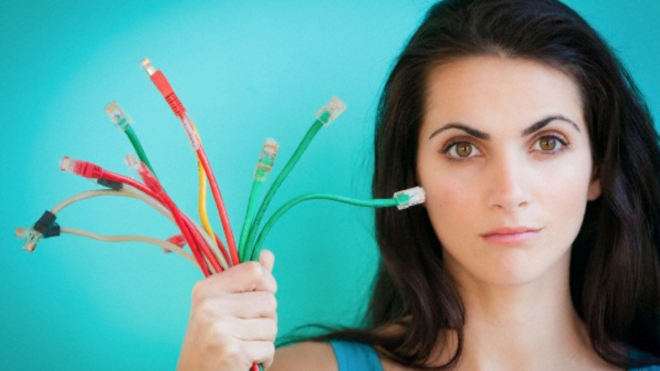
(563,143)
(452,144)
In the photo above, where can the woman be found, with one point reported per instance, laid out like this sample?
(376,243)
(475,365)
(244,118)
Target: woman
(537,248)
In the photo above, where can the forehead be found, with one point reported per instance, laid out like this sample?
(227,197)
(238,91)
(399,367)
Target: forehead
(488,91)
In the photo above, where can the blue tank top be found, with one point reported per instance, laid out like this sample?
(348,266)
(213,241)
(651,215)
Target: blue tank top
(353,356)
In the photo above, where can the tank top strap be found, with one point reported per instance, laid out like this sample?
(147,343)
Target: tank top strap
(353,356)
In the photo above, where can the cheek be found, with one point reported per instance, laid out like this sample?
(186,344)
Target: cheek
(564,184)
(452,206)
(564,198)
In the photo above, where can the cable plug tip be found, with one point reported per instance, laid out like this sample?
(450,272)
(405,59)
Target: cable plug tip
(67,164)
(30,236)
(131,161)
(266,160)
(410,197)
(143,171)
(82,168)
(118,116)
(330,111)
(146,64)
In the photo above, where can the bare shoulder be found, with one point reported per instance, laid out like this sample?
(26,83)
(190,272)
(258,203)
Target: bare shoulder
(305,356)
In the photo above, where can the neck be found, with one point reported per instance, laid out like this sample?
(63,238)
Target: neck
(530,326)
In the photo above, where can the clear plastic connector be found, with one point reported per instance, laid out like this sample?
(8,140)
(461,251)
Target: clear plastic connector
(30,236)
(328,113)
(67,164)
(143,171)
(133,163)
(118,116)
(410,197)
(82,168)
(266,160)
(146,64)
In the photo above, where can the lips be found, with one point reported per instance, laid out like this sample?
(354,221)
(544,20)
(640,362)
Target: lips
(510,235)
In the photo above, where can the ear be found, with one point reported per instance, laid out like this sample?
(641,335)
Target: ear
(595,189)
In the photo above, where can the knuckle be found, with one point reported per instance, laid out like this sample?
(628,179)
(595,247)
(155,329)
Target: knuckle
(219,339)
(270,303)
(233,354)
(208,312)
(254,269)
(266,301)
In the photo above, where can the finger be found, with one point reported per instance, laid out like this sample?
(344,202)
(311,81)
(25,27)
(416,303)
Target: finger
(248,276)
(267,259)
(253,329)
(254,304)
(261,352)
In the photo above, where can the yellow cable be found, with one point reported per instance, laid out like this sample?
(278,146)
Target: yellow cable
(203,214)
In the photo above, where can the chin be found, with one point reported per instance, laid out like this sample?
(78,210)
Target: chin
(514,268)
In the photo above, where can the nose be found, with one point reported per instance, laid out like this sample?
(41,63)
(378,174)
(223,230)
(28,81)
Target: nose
(508,183)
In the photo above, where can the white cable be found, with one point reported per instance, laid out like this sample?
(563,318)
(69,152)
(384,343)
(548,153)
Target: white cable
(128,191)
(132,238)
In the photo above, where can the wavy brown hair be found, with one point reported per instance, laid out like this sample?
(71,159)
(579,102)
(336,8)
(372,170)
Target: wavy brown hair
(615,265)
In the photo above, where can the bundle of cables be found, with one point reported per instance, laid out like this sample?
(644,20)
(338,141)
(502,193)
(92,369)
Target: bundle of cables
(207,249)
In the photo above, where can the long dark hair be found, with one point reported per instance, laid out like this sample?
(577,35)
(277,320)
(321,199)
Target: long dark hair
(615,264)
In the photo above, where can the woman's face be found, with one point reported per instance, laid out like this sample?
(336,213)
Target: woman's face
(505,160)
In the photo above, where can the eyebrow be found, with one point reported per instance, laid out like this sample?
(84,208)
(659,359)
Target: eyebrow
(529,130)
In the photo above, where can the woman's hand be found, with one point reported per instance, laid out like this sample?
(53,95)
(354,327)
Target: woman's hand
(233,319)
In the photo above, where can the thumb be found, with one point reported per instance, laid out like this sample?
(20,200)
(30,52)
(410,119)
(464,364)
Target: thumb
(267,259)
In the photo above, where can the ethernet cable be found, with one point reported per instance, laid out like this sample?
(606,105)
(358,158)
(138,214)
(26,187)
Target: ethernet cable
(190,234)
(119,117)
(22,232)
(402,200)
(261,172)
(193,238)
(325,115)
(159,79)
(128,191)
(201,203)
(125,191)
(124,123)
(132,238)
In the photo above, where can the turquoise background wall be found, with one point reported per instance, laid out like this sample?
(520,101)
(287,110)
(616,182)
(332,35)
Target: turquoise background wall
(245,70)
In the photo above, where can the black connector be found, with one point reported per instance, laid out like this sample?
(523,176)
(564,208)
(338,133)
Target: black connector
(46,225)
(115,186)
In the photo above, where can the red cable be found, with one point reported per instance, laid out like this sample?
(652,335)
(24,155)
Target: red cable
(164,87)
(191,234)
(223,250)
(176,214)
(226,226)
(154,184)
(90,170)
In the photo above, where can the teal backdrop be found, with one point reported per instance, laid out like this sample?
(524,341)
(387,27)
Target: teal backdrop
(245,70)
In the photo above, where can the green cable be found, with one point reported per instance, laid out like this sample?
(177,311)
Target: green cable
(307,139)
(261,172)
(249,217)
(124,123)
(138,147)
(379,202)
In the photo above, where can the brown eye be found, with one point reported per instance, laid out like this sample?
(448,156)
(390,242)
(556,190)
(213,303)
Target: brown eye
(463,149)
(548,143)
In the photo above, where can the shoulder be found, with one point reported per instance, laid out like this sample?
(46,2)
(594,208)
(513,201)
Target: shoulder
(305,356)
(648,368)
